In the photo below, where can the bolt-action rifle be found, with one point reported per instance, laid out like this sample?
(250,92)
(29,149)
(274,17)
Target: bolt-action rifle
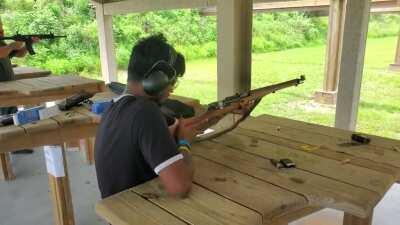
(27,38)
(242,104)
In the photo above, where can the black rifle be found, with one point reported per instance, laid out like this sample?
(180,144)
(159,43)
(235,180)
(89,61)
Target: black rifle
(74,100)
(27,38)
(6,120)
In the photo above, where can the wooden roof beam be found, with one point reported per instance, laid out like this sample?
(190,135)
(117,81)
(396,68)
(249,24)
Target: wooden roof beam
(378,6)
(114,7)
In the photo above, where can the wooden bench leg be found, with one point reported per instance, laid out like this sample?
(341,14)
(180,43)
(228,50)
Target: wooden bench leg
(349,219)
(87,147)
(59,185)
(5,167)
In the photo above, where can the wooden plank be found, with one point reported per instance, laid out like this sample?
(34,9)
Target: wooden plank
(9,132)
(373,153)
(42,132)
(319,191)
(68,84)
(69,132)
(7,92)
(355,29)
(61,128)
(114,7)
(21,99)
(349,219)
(12,138)
(77,132)
(72,118)
(396,65)
(131,6)
(37,85)
(255,143)
(60,194)
(38,90)
(200,207)
(85,111)
(377,141)
(40,126)
(14,86)
(6,171)
(22,72)
(129,208)
(394,172)
(305,5)
(87,147)
(268,200)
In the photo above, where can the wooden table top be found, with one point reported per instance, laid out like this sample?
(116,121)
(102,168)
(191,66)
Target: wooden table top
(38,90)
(78,123)
(22,72)
(235,183)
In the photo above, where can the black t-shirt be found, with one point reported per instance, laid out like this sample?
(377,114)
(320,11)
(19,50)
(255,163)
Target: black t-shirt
(6,70)
(6,74)
(133,145)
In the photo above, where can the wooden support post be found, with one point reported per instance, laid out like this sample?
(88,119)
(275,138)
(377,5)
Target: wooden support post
(355,31)
(6,173)
(59,185)
(234,46)
(396,65)
(106,42)
(349,219)
(87,148)
(333,52)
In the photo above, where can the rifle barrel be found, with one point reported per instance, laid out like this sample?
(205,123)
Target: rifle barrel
(260,92)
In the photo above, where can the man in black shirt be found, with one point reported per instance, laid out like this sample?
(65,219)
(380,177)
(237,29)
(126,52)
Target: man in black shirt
(7,73)
(134,143)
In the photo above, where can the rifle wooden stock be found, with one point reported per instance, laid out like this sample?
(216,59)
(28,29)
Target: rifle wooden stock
(219,109)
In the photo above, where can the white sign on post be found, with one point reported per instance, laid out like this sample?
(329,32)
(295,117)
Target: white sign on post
(54,160)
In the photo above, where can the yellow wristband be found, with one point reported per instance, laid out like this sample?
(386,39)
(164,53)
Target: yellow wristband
(184,148)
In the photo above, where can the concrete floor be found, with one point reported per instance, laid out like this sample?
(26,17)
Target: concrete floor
(25,201)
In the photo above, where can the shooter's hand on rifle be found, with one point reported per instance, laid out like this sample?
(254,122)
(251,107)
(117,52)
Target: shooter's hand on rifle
(21,48)
(16,45)
(30,39)
(190,127)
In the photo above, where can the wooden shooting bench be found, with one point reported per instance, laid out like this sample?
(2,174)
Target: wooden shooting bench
(235,182)
(23,72)
(35,91)
(78,123)
(43,89)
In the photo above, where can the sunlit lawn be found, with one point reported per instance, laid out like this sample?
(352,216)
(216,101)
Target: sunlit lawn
(379,111)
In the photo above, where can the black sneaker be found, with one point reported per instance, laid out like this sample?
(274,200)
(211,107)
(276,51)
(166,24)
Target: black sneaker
(23,151)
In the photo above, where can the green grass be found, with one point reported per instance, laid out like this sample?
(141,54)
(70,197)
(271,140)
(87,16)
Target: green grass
(379,111)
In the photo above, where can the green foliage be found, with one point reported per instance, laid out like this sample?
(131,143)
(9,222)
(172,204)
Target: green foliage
(384,26)
(192,34)
(278,31)
(74,18)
